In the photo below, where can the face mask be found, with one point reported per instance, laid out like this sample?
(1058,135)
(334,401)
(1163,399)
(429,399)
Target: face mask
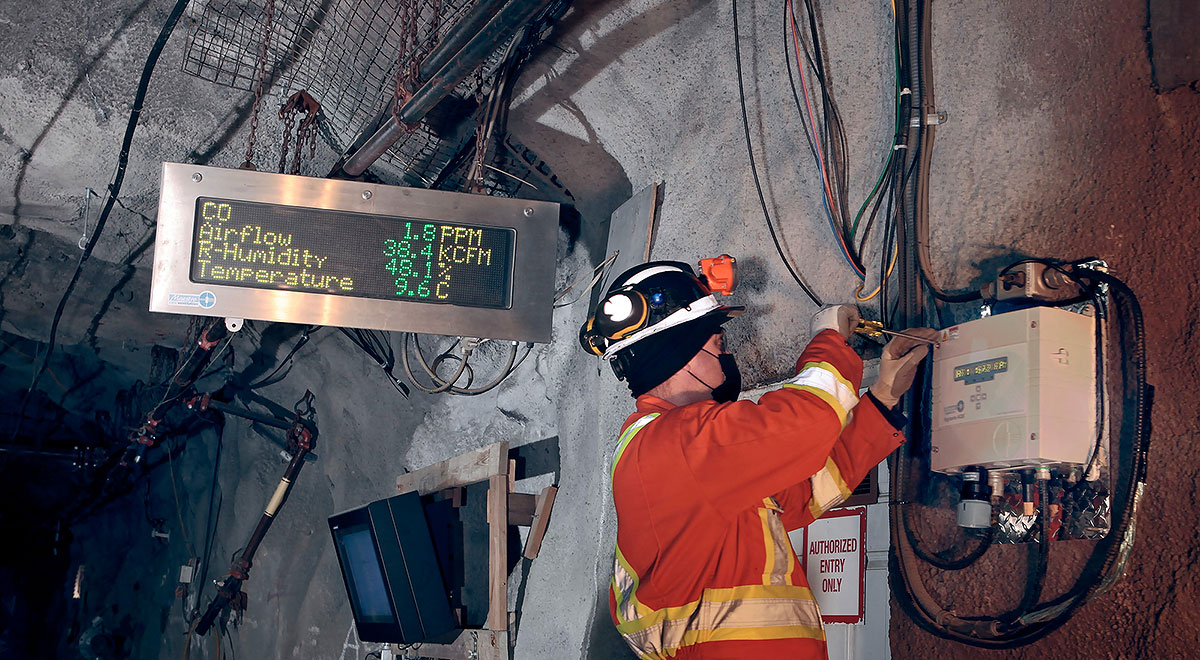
(729,389)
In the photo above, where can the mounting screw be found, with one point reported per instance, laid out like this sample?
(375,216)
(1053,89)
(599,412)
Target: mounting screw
(366,194)
(1033,324)
(1033,436)
(528,212)
(197,177)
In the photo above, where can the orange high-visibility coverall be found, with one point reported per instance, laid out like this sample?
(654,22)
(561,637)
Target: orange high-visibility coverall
(705,494)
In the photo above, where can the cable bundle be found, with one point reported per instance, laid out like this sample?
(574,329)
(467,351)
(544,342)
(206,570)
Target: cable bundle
(824,132)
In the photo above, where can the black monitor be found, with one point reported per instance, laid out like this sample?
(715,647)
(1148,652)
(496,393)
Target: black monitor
(391,571)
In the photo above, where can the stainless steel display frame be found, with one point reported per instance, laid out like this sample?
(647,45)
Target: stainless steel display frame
(527,319)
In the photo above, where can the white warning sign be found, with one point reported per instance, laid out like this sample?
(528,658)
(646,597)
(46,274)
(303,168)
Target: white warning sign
(834,558)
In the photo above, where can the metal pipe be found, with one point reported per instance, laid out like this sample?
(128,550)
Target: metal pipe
(500,28)
(249,414)
(456,38)
(239,571)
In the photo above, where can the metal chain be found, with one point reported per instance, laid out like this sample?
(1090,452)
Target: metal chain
(299,104)
(289,122)
(412,52)
(259,78)
(407,47)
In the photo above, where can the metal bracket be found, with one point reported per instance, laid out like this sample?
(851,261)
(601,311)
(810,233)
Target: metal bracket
(931,119)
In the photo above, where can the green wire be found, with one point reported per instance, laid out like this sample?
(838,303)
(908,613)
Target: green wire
(891,152)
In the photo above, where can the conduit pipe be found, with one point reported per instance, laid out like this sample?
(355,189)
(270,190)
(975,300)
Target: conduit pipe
(498,29)
(481,12)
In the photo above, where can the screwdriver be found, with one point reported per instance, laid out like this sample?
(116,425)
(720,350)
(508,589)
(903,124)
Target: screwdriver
(875,329)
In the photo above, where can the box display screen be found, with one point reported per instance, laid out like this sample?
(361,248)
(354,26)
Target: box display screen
(979,372)
(289,248)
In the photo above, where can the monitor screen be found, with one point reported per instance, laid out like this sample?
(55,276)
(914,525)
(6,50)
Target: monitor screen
(294,248)
(364,574)
(392,571)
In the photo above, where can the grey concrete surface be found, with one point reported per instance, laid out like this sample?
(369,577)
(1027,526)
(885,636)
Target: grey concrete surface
(634,91)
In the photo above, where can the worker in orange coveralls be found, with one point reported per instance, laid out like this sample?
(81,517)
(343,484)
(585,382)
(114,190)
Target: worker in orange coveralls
(707,487)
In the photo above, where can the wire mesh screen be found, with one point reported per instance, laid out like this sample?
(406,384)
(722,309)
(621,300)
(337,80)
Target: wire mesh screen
(346,53)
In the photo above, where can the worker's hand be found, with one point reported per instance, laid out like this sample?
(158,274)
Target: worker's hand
(842,318)
(898,365)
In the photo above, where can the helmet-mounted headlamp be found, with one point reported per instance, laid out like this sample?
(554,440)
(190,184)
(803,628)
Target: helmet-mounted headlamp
(655,296)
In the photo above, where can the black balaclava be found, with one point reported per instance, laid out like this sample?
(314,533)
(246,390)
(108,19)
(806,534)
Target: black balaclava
(653,360)
(731,387)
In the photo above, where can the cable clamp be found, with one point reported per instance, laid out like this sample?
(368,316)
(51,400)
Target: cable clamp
(898,147)
(931,119)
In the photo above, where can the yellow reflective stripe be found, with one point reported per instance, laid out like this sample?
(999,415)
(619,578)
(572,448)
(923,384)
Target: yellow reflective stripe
(626,437)
(825,377)
(791,558)
(625,579)
(826,397)
(728,595)
(833,370)
(624,584)
(777,567)
(738,613)
(768,546)
(774,632)
(828,489)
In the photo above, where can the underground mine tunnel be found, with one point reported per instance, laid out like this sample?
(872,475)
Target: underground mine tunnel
(538,329)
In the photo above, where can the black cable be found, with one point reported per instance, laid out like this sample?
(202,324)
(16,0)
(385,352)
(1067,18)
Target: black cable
(377,347)
(210,525)
(787,59)
(836,156)
(1108,556)
(924,156)
(754,168)
(114,189)
(263,382)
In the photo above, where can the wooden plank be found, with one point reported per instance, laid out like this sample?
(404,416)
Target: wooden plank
(469,468)
(497,515)
(541,520)
(481,644)
(521,508)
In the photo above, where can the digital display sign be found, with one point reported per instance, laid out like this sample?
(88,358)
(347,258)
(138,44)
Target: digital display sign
(979,372)
(290,248)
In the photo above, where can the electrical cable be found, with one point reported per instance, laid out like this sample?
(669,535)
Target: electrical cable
(178,508)
(830,156)
(597,273)
(925,132)
(378,347)
(1033,620)
(828,200)
(210,523)
(754,168)
(268,380)
(1104,567)
(449,384)
(114,190)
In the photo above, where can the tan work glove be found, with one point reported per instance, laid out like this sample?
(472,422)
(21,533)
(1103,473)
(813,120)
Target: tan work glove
(842,318)
(898,365)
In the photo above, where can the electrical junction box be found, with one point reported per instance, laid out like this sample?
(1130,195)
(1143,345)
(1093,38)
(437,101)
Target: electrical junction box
(1015,390)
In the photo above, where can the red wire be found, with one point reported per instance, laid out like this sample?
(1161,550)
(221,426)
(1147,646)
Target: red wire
(816,140)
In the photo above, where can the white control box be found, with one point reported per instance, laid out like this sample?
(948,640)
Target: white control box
(1015,390)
